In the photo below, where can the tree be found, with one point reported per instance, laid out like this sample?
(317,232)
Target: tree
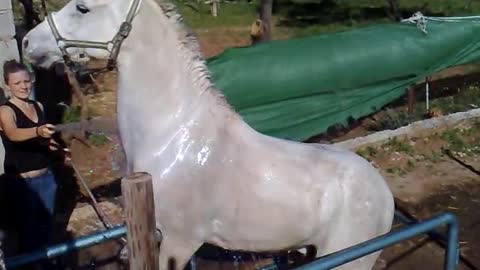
(31,17)
(261,28)
(394,10)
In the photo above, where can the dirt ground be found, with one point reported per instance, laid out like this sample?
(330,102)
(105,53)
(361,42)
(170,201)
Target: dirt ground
(433,184)
(426,181)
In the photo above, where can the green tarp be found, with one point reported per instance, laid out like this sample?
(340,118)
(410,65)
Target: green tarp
(297,88)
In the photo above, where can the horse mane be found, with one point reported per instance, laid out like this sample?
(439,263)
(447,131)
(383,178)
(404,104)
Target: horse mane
(189,44)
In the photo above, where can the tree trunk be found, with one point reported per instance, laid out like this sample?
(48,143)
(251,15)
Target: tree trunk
(266,17)
(394,10)
(31,17)
(77,92)
(264,23)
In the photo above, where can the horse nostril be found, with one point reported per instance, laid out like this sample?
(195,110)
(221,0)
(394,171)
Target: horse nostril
(25,43)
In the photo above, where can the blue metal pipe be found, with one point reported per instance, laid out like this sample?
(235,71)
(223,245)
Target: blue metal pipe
(376,244)
(326,262)
(453,252)
(409,220)
(63,248)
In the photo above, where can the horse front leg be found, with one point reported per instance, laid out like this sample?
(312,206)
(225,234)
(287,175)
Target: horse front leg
(175,253)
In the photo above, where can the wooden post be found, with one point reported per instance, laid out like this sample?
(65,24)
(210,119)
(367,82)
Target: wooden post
(77,92)
(266,7)
(214,8)
(411,99)
(139,208)
(427,94)
(262,27)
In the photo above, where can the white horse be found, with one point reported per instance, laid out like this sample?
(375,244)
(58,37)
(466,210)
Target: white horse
(216,180)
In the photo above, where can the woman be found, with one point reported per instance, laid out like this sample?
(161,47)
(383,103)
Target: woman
(27,139)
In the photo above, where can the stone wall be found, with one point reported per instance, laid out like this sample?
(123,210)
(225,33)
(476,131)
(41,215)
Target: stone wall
(420,128)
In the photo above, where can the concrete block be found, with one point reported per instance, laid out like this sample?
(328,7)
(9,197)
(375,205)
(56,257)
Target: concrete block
(5,4)
(7,27)
(422,127)
(8,51)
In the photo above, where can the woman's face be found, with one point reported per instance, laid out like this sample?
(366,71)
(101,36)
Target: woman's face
(19,84)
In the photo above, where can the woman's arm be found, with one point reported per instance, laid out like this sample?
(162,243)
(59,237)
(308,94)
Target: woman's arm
(7,122)
(9,126)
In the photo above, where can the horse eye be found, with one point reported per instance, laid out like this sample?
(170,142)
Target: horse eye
(82,9)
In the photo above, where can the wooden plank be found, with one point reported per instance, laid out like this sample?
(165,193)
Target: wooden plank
(137,191)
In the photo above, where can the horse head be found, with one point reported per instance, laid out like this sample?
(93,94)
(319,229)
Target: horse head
(81,29)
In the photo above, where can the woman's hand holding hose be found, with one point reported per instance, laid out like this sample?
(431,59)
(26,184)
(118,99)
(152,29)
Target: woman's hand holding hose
(45,131)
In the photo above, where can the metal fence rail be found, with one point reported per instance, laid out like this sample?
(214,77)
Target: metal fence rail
(63,248)
(352,253)
(326,262)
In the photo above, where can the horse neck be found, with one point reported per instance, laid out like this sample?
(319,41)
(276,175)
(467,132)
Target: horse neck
(160,74)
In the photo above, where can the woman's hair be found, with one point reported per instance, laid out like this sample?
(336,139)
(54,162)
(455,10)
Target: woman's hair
(12,66)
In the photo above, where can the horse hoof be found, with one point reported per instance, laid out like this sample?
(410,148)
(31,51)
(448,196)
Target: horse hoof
(380,264)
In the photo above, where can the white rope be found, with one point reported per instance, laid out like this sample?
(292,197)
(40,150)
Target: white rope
(418,19)
(427,94)
(421,21)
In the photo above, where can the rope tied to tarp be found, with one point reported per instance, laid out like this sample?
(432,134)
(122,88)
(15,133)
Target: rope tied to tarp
(418,19)
(421,20)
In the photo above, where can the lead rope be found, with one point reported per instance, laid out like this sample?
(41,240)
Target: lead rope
(123,252)
(101,215)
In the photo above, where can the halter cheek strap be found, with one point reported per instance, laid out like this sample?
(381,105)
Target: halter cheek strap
(112,46)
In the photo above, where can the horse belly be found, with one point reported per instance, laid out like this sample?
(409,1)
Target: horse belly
(257,223)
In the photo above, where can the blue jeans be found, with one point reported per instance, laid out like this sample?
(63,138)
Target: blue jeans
(34,203)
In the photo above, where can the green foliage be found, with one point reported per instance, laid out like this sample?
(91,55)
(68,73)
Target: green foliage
(392,120)
(454,140)
(98,139)
(395,145)
(367,152)
(434,157)
(52,5)
(397,171)
(464,99)
(465,140)
(230,14)
(321,16)
(71,115)
(314,29)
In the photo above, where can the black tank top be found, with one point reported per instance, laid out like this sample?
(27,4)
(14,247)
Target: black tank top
(29,155)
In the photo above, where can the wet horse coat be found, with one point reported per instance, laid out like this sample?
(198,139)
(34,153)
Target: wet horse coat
(216,180)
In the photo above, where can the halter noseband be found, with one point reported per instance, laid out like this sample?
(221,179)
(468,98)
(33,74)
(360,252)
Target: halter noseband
(112,46)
